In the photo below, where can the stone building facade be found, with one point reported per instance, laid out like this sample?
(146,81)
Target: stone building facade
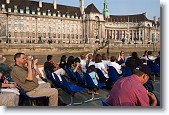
(28,21)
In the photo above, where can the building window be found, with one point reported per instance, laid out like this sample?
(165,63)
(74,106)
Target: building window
(64,36)
(54,35)
(44,13)
(72,36)
(33,12)
(21,11)
(44,35)
(3,6)
(33,35)
(54,14)
(15,9)
(9,10)
(27,12)
(49,13)
(59,35)
(39,13)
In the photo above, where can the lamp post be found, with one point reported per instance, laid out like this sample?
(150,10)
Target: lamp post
(108,48)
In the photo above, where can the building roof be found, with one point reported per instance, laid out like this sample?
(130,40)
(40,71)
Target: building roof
(33,5)
(128,18)
(91,9)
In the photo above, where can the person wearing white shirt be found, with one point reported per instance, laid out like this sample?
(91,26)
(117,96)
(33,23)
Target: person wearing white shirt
(83,61)
(100,65)
(105,61)
(115,65)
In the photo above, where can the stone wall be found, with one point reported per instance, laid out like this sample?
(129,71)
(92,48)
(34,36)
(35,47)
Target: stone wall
(41,49)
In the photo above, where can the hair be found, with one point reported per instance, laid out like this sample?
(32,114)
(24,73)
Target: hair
(77,60)
(98,58)
(63,58)
(134,54)
(145,52)
(149,52)
(70,61)
(90,56)
(104,57)
(112,58)
(17,55)
(138,72)
(83,56)
(121,52)
(49,57)
(92,68)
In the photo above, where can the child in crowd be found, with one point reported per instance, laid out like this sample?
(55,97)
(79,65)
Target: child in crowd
(94,77)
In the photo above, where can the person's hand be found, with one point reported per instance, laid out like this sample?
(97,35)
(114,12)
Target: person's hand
(12,85)
(153,98)
(29,60)
(6,81)
(35,61)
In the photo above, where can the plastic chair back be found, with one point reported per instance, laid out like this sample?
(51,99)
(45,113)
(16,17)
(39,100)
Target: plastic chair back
(79,79)
(154,67)
(126,71)
(104,103)
(100,74)
(88,80)
(113,75)
(71,74)
(57,82)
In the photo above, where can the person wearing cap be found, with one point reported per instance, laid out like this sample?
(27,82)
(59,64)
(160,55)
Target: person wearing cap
(4,68)
(129,91)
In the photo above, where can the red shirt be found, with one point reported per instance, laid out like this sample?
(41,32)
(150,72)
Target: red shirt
(128,91)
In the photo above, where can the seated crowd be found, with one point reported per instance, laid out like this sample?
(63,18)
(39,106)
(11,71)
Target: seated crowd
(25,74)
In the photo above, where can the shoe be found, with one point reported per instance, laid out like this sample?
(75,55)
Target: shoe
(89,92)
(96,93)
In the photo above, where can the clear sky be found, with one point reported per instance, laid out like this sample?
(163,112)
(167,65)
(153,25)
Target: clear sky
(120,7)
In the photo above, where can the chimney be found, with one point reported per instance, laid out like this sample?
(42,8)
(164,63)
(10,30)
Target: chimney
(7,1)
(82,6)
(40,3)
(154,18)
(54,4)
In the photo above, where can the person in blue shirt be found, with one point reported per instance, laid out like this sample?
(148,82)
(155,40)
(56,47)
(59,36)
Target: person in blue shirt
(94,76)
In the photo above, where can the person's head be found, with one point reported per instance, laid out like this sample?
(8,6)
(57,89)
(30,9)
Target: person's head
(134,54)
(83,56)
(145,52)
(149,52)
(98,58)
(122,53)
(92,68)
(2,59)
(90,56)
(49,57)
(63,58)
(113,59)
(158,52)
(143,74)
(70,61)
(20,59)
(77,60)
